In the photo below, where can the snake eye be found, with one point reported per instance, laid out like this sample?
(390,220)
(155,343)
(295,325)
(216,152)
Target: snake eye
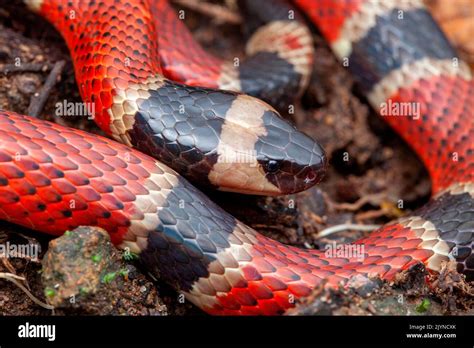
(272,166)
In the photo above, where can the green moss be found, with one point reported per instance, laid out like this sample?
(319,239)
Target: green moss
(96,258)
(83,291)
(123,272)
(423,306)
(109,277)
(49,292)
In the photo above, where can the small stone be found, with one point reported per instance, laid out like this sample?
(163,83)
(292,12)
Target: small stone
(27,84)
(362,285)
(74,264)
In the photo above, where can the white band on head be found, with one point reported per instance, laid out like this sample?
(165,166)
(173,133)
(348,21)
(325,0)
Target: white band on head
(34,5)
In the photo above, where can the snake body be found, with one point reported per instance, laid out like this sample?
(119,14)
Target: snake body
(216,138)
(279,52)
(53,178)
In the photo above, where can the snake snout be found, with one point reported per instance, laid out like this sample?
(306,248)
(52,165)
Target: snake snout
(261,153)
(311,172)
(291,160)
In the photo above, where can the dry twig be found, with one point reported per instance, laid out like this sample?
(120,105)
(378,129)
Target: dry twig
(343,227)
(39,99)
(220,13)
(359,203)
(15,280)
(26,67)
(8,264)
(371,214)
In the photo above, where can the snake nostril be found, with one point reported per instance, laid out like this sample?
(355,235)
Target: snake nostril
(311,177)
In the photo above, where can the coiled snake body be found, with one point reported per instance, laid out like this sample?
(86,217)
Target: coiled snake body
(222,265)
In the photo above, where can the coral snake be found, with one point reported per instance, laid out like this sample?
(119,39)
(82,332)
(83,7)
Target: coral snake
(131,59)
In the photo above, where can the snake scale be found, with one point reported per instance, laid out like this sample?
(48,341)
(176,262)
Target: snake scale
(156,90)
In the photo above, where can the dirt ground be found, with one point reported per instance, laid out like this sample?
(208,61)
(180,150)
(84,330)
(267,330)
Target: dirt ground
(371,170)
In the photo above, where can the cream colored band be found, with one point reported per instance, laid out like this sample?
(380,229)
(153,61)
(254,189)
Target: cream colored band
(357,26)
(407,74)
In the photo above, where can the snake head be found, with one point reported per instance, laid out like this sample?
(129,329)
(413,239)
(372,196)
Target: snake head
(290,159)
(261,153)
(223,139)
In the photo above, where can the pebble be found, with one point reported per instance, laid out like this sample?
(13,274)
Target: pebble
(27,84)
(362,285)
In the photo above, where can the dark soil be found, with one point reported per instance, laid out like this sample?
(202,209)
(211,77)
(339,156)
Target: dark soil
(408,294)
(371,171)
